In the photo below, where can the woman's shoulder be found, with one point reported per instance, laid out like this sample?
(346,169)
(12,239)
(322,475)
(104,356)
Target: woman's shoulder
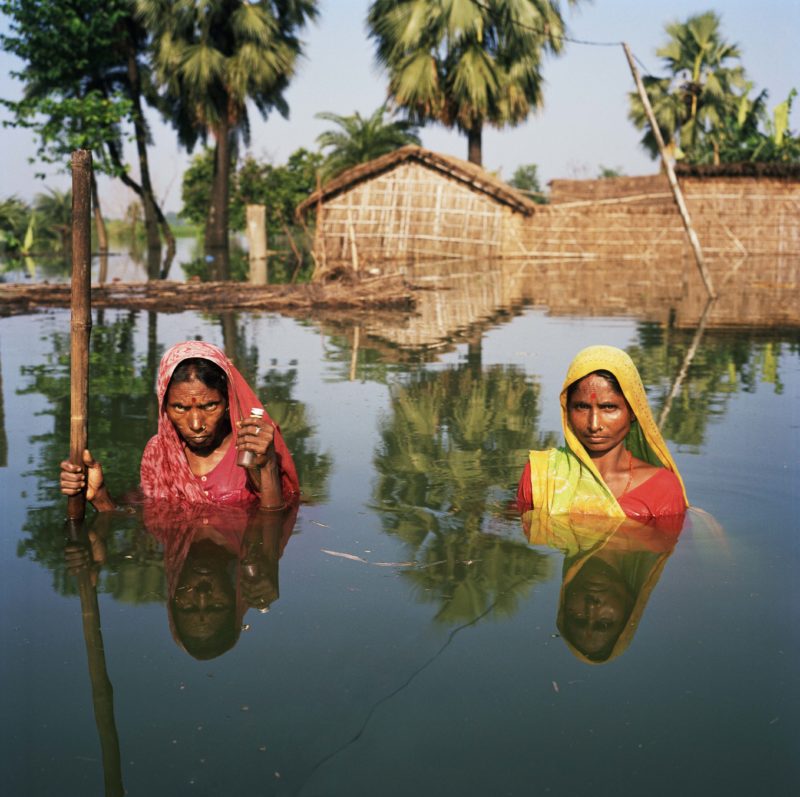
(656,477)
(661,493)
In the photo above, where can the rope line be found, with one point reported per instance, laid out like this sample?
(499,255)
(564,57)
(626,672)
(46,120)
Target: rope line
(566,38)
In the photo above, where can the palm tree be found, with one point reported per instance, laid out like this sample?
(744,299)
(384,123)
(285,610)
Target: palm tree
(15,221)
(466,63)
(704,88)
(360,140)
(211,58)
(54,219)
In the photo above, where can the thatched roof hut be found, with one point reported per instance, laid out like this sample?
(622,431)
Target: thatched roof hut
(413,205)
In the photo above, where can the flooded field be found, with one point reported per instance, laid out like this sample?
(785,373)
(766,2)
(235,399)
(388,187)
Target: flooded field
(399,636)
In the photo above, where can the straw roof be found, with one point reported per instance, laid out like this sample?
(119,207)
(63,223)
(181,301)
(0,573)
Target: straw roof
(453,168)
(776,169)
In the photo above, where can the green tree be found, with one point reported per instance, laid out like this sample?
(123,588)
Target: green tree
(279,188)
(84,82)
(466,63)
(15,219)
(703,88)
(211,58)
(359,140)
(755,135)
(196,187)
(53,209)
(526,179)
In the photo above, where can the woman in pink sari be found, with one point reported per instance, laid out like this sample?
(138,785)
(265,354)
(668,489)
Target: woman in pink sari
(204,420)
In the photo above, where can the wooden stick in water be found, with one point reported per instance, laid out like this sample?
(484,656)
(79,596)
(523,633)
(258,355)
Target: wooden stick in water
(81,318)
(673,180)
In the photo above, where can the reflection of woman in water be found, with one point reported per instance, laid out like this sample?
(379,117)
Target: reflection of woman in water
(219,563)
(611,566)
(615,461)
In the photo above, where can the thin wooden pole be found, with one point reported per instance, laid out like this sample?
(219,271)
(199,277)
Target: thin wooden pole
(81,322)
(673,180)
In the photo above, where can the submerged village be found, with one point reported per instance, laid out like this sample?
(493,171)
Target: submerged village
(361,433)
(372,215)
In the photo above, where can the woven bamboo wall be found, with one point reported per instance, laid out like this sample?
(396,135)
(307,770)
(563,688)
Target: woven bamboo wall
(612,188)
(409,214)
(636,219)
(413,213)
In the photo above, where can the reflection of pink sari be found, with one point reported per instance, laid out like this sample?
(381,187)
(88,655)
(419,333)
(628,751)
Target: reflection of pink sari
(178,526)
(165,472)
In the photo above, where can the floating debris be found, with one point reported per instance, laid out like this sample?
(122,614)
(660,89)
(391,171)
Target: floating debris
(420,566)
(350,556)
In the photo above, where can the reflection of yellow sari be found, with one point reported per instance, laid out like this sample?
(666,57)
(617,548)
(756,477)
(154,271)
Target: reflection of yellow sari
(640,549)
(565,480)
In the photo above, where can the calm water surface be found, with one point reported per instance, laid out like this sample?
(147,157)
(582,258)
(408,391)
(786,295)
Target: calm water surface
(427,660)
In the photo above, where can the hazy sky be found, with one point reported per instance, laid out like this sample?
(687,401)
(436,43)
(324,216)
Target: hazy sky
(582,126)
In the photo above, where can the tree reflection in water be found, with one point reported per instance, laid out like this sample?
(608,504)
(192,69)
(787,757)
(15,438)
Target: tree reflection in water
(453,444)
(723,365)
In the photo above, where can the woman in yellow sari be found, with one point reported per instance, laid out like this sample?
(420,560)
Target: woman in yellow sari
(615,461)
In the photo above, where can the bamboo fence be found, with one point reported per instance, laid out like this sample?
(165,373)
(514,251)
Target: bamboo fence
(414,206)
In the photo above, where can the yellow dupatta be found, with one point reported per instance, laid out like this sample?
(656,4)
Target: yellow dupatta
(565,480)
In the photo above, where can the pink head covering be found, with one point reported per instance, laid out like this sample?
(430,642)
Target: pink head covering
(165,471)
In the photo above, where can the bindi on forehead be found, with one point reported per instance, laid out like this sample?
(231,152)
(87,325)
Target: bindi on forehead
(593,396)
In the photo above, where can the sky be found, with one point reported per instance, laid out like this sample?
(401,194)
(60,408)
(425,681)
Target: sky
(582,126)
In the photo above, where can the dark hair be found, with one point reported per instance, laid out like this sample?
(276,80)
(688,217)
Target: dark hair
(607,375)
(210,374)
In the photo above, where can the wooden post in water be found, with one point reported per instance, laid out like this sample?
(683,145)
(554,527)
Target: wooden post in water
(257,243)
(673,180)
(81,321)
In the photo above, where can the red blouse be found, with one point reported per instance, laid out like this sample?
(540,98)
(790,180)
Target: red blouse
(227,483)
(660,496)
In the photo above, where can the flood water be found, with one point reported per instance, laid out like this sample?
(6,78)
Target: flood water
(411,643)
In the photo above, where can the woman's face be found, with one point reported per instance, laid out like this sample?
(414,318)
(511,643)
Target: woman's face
(597,606)
(599,416)
(198,413)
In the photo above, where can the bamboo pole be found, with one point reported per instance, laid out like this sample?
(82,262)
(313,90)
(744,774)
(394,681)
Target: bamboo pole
(81,318)
(673,180)
(102,690)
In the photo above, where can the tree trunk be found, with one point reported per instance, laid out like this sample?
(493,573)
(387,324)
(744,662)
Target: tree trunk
(153,217)
(216,235)
(474,144)
(99,221)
